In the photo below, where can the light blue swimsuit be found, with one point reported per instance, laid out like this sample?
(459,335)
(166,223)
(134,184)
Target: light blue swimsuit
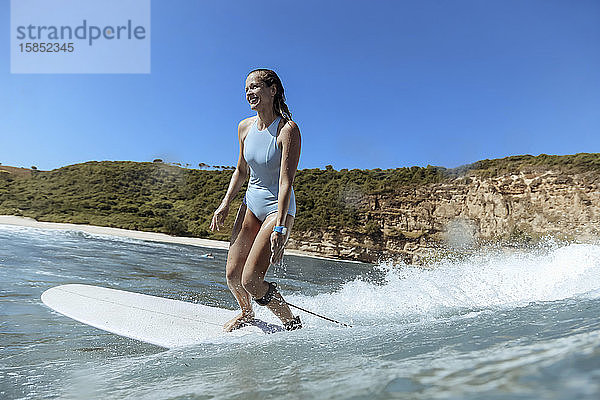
(264,158)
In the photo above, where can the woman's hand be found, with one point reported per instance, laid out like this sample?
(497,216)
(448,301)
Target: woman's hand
(218,219)
(277,245)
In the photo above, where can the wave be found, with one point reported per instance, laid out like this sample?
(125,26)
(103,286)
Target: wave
(487,280)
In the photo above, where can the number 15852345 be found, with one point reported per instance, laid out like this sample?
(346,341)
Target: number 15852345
(46,47)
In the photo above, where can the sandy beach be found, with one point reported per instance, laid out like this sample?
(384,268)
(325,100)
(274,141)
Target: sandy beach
(151,236)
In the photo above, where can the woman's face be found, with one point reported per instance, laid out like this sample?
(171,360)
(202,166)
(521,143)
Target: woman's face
(258,94)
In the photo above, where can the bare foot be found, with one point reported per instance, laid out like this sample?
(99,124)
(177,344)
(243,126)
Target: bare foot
(238,322)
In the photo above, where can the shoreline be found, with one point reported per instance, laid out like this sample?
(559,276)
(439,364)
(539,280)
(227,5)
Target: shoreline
(140,235)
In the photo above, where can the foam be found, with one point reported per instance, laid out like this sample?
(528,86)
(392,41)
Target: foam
(491,279)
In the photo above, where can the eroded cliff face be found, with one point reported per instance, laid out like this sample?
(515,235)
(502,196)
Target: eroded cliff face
(415,223)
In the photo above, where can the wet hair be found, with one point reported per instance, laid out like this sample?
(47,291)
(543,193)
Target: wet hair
(270,78)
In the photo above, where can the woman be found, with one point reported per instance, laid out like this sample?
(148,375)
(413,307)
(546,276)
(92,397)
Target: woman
(270,148)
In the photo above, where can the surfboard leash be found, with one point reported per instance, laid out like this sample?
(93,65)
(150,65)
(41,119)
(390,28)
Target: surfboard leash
(317,315)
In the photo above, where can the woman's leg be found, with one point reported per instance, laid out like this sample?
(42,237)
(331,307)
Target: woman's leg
(257,264)
(245,228)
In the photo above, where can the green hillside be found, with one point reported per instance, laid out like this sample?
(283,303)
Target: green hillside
(165,198)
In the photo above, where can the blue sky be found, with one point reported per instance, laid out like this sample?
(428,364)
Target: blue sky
(372,84)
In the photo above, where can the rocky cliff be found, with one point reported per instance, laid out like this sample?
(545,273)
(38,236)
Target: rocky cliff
(415,223)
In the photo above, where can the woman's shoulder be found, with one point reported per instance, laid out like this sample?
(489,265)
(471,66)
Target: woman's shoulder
(290,129)
(244,126)
(246,122)
(289,124)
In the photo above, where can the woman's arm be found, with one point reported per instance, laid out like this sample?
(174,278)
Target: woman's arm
(241,170)
(290,155)
(237,179)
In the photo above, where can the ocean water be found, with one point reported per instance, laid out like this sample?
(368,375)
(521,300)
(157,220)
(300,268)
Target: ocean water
(523,324)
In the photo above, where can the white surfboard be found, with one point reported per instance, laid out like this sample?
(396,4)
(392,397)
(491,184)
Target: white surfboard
(163,322)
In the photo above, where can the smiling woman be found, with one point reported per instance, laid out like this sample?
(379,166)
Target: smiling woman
(270,149)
